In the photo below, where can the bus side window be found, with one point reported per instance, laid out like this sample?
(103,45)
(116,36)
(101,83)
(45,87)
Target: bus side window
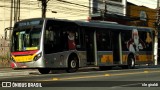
(125,39)
(142,40)
(51,36)
(71,40)
(103,41)
(63,40)
(148,41)
(52,39)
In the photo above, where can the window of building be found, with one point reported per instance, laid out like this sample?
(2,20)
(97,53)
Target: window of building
(116,0)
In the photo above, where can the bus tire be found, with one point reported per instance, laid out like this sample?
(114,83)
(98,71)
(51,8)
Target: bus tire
(44,70)
(131,62)
(73,64)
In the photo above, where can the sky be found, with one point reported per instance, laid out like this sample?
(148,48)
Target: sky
(148,3)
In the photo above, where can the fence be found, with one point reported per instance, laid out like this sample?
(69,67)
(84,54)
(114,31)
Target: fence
(4,52)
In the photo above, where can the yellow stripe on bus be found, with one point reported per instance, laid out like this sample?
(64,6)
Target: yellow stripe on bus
(27,58)
(144,57)
(109,58)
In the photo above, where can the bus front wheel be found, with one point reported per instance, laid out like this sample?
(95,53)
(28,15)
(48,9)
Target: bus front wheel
(73,64)
(44,70)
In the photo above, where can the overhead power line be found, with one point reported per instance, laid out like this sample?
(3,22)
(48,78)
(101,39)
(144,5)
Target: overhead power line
(72,3)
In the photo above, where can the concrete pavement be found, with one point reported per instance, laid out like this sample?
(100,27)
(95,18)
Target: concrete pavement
(9,72)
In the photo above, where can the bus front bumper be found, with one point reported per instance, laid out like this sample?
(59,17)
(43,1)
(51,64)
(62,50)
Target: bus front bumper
(27,65)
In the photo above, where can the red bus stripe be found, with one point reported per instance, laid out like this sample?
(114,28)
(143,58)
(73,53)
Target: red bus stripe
(24,52)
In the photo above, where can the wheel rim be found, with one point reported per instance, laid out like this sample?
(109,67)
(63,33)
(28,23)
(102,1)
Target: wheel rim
(132,62)
(73,64)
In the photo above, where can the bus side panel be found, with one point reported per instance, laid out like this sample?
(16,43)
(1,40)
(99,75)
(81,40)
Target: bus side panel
(141,57)
(56,60)
(82,55)
(144,57)
(145,48)
(60,59)
(139,43)
(125,57)
(105,58)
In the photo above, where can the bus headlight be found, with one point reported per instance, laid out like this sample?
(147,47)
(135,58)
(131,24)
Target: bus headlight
(38,56)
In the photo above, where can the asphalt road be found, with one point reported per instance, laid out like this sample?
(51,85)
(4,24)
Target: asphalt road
(126,79)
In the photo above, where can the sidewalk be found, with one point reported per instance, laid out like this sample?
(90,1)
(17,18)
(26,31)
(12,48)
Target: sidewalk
(9,72)
(6,72)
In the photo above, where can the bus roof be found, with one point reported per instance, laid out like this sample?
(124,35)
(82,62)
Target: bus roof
(97,24)
(111,26)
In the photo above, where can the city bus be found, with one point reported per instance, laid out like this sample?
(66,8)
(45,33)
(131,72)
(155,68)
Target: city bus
(46,44)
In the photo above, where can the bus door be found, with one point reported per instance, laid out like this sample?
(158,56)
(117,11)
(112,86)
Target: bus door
(117,47)
(89,36)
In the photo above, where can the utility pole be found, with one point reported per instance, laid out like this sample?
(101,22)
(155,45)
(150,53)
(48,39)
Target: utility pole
(156,36)
(16,10)
(19,10)
(11,17)
(14,16)
(44,7)
(105,10)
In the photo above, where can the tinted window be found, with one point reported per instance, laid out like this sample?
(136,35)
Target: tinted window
(103,40)
(60,36)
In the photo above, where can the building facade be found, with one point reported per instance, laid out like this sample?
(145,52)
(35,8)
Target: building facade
(141,15)
(134,16)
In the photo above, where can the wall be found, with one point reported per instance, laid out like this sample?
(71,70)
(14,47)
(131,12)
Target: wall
(4,52)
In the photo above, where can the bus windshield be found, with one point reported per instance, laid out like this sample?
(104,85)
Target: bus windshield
(26,39)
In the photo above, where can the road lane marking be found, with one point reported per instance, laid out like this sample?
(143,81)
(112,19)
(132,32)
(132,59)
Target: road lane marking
(55,79)
(104,75)
(122,74)
(155,71)
(79,77)
(107,75)
(146,71)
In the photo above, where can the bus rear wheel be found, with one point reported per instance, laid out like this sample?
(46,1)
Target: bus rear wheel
(73,64)
(44,70)
(131,62)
